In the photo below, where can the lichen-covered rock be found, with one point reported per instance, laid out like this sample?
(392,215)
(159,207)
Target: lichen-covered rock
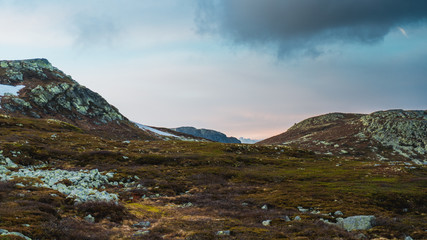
(84,185)
(404,131)
(362,222)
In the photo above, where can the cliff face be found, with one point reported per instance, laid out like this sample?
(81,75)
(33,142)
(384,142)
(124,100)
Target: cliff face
(207,134)
(35,88)
(383,135)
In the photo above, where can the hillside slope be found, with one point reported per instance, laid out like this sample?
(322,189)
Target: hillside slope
(393,134)
(35,88)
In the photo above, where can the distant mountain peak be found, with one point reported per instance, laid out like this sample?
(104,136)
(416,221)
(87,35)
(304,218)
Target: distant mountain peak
(207,134)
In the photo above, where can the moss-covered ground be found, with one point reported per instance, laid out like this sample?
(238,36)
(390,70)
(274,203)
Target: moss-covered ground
(192,190)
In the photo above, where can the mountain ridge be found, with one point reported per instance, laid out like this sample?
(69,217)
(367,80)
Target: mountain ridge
(207,134)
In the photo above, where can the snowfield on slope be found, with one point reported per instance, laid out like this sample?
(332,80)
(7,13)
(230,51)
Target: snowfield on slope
(158,132)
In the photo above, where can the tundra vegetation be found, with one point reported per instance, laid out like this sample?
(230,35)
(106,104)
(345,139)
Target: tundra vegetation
(200,190)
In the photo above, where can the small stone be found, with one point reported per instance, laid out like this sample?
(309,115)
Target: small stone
(301,209)
(266,222)
(89,218)
(285,218)
(297,218)
(264,207)
(223,233)
(338,213)
(26,225)
(141,233)
(245,204)
(408,238)
(143,224)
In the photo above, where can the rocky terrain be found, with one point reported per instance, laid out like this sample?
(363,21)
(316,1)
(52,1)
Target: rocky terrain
(72,167)
(35,88)
(384,135)
(61,182)
(207,134)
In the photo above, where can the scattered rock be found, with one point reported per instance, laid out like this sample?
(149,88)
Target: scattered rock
(185,205)
(338,213)
(285,218)
(266,222)
(297,218)
(84,182)
(362,222)
(141,233)
(223,233)
(264,207)
(89,218)
(408,238)
(4,232)
(301,209)
(143,224)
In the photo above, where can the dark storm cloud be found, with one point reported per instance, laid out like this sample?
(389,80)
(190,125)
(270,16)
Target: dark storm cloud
(304,26)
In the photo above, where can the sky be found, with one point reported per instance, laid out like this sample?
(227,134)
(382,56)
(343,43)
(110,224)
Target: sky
(247,68)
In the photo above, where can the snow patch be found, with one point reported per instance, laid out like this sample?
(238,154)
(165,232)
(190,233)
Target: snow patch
(8,89)
(156,131)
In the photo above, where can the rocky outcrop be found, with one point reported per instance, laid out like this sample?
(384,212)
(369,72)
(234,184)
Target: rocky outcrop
(404,131)
(362,222)
(207,134)
(383,135)
(46,92)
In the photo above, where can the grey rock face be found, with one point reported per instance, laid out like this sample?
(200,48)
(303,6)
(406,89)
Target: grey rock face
(362,222)
(48,91)
(207,134)
(404,131)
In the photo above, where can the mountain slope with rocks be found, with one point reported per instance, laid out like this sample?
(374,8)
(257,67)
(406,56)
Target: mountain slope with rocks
(383,135)
(207,134)
(35,88)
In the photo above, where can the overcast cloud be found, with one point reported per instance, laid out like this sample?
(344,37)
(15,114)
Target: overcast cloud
(306,26)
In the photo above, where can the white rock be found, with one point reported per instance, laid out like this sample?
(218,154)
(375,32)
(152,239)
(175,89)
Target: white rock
(266,222)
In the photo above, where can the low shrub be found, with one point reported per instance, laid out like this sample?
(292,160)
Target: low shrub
(71,229)
(100,210)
